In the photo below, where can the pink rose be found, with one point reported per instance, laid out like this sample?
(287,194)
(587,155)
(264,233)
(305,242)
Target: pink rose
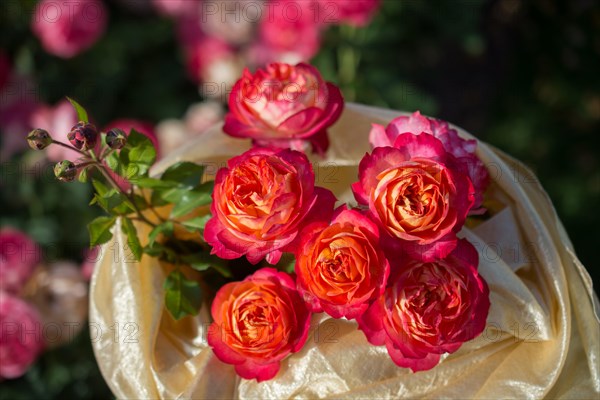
(431,308)
(462,149)
(18,257)
(257,323)
(67,28)
(20,337)
(416,193)
(353,12)
(289,30)
(58,121)
(261,201)
(284,106)
(340,266)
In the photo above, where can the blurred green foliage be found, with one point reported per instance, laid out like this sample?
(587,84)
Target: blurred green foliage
(519,74)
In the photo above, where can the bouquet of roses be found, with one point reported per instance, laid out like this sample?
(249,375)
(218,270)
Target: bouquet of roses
(275,248)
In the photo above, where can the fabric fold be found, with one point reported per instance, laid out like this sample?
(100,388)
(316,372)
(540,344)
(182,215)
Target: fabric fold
(541,338)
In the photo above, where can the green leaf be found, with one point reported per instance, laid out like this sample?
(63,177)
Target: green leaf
(100,230)
(182,296)
(114,162)
(190,200)
(83,175)
(138,155)
(203,261)
(82,114)
(132,238)
(196,224)
(100,187)
(166,228)
(184,173)
(152,183)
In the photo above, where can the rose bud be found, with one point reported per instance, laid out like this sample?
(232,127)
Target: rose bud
(83,136)
(39,139)
(65,171)
(116,138)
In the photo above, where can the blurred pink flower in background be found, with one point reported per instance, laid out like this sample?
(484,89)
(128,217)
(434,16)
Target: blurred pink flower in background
(58,121)
(173,133)
(176,8)
(290,33)
(233,21)
(5,68)
(90,256)
(18,99)
(212,61)
(67,28)
(21,339)
(59,292)
(352,12)
(19,255)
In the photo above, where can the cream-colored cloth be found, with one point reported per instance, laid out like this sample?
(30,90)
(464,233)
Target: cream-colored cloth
(542,337)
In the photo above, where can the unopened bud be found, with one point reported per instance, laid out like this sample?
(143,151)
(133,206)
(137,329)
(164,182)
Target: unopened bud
(116,138)
(83,136)
(65,171)
(39,139)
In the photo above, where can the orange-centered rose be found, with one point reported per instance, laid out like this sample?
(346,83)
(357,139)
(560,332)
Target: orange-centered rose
(418,195)
(258,322)
(340,266)
(430,309)
(284,106)
(260,203)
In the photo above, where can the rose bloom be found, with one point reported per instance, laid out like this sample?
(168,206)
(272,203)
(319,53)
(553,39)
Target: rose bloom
(416,194)
(67,28)
(290,27)
(20,336)
(260,203)
(340,266)
(258,322)
(432,308)
(462,149)
(19,255)
(284,106)
(352,12)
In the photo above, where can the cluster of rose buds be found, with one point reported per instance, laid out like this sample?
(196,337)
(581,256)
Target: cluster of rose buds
(84,138)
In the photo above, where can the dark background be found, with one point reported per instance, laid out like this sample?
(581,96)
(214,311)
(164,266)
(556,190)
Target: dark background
(521,75)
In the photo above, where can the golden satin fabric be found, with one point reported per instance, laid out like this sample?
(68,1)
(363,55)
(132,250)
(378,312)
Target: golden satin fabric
(541,341)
